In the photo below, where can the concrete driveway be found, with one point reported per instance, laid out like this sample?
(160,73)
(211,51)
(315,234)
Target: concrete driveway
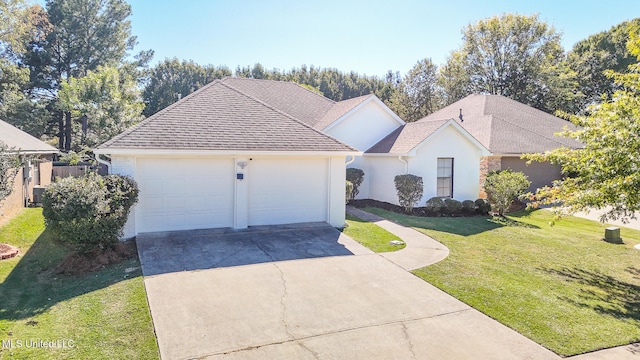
(306,292)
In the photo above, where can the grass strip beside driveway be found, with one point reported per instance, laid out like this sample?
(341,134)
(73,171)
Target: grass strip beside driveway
(100,315)
(371,235)
(561,285)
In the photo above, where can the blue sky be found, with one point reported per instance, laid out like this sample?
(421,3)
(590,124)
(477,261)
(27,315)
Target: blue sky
(369,37)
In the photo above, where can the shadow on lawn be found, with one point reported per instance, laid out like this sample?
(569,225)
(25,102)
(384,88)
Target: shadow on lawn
(465,226)
(32,288)
(605,294)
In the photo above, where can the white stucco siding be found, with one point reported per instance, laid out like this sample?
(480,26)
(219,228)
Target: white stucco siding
(126,165)
(362,164)
(364,127)
(381,173)
(449,143)
(337,192)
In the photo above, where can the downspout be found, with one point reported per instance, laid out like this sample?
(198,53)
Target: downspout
(406,164)
(353,158)
(104,162)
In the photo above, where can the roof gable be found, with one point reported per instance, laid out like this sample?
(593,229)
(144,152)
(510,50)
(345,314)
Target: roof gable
(23,142)
(221,117)
(343,109)
(406,140)
(506,126)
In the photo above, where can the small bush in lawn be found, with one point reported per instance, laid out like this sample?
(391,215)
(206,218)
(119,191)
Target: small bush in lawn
(355,176)
(409,189)
(503,188)
(349,191)
(435,205)
(89,212)
(452,206)
(482,206)
(468,207)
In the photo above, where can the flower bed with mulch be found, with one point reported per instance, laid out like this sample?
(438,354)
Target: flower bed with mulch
(81,263)
(422,211)
(417,211)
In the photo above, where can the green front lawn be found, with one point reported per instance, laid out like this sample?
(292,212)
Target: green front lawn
(559,285)
(101,315)
(370,235)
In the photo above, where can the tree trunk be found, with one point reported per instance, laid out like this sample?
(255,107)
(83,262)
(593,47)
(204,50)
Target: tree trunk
(60,121)
(67,131)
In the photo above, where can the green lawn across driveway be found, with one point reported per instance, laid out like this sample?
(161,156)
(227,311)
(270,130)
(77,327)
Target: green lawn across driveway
(101,315)
(371,235)
(561,285)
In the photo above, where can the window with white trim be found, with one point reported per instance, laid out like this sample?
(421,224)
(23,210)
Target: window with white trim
(445,177)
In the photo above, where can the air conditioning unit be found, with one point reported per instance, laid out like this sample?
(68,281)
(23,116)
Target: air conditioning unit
(37,194)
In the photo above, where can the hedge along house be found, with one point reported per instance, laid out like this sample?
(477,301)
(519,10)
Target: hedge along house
(235,153)
(509,129)
(36,172)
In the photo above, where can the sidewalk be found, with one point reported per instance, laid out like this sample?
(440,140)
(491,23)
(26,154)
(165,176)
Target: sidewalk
(420,251)
(626,352)
(595,216)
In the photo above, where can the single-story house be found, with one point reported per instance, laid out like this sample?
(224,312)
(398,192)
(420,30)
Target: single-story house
(244,152)
(509,129)
(36,172)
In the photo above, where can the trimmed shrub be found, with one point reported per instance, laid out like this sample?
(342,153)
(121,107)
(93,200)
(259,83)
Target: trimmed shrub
(349,191)
(355,176)
(468,207)
(452,206)
(89,212)
(503,188)
(409,189)
(435,205)
(482,206)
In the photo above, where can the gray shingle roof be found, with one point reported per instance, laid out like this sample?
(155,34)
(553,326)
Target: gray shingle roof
(288,97)
(235,114)
(406,137)
(506,126)
(338,110)
(301,103)
(23,142)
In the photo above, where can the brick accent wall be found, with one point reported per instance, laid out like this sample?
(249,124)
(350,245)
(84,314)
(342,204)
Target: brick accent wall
(488,163)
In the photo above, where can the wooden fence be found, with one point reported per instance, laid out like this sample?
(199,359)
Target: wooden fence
(76,170)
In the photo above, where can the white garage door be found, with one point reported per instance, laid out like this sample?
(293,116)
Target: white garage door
(287,191)
(179,194)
